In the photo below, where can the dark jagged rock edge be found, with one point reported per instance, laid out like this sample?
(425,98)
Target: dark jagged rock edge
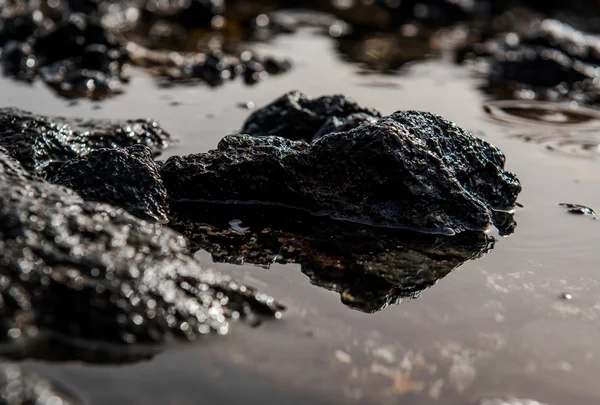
(410,169)
(298,117)
(91,275)
(42,144)
(370,268)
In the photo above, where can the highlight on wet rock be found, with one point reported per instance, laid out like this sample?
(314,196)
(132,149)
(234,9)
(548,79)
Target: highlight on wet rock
(297,116)
(87,48)
(370,268)
(89,272)
(42,143)
(410,170)
(542,59)
(127,178)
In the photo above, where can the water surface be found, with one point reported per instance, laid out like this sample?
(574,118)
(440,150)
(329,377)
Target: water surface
(498,325)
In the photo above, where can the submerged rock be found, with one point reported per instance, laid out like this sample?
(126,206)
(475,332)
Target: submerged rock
(578,209)
(86,271)
(299,117)
(19,387)
(410,169)
(370,268)
(41,143)
(127,178)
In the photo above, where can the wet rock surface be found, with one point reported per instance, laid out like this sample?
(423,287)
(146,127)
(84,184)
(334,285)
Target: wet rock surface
(370,268)
(410,169)
(127,178)
(82,271)
(86,49)
(298,117)
(42,144)
(19,387)
(215,67)
(73,52)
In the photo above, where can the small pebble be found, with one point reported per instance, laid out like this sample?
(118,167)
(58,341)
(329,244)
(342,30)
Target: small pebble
(566,296)
(249,105)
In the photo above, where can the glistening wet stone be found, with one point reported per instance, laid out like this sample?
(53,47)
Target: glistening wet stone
(127,178)
(370,268)
(296,116)
(410,169)
(552,61)
(42,144)
(88,271)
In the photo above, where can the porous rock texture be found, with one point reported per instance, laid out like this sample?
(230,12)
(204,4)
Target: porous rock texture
(299,117)
(410,169)
(127,178)
(19,387)
(42,144)
(91,272)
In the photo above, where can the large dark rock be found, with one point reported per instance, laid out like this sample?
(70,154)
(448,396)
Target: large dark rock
(127,178)
(84,271)
(43,143)
(369,267)
(299,117)
(411,169)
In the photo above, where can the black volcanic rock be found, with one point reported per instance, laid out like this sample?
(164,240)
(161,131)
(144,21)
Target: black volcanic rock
(343,124)
(546,60)
(42,143)
(127,178)
(72,52)
(298,117)
(88,271)
(410,169)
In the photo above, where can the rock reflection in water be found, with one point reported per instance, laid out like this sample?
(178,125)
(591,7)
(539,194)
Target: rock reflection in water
(370,267)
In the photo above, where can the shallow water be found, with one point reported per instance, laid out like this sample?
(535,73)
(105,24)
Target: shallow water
(499,325)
